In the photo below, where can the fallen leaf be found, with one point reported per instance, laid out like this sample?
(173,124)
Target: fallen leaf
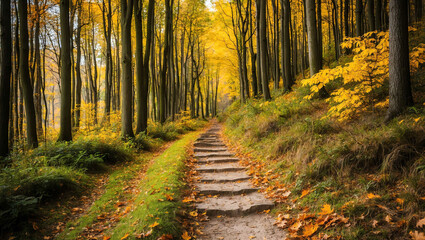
(388,219)
(326,209)
(154,224)
(420,223)
(372,196)
(166,237)
(374,223)
(417,235)
(125,236)
(304,193)
(193,213)
(186,236)
(400,201)
(296,226)
(310,230)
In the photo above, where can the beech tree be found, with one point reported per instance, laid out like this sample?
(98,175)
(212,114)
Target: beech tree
(27,90)
(65,133)
(400,91)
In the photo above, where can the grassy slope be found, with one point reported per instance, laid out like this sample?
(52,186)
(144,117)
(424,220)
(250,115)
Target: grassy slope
(334,163)
(157,200)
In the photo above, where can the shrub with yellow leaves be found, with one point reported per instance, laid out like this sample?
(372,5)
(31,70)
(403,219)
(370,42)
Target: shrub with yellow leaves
(362,78)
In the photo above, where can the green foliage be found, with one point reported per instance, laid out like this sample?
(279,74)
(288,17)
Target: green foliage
(14,209)
(83,154)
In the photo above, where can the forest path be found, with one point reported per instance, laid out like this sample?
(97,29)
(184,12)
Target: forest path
(232,204)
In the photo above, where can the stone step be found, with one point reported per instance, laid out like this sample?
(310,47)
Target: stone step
(226,188)
(207,144)
(223,177)
(220,167)
(211,155)
(218,160)
(215,149)
(233,206)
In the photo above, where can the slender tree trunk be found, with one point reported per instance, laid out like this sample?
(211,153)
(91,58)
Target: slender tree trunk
(65,133)
(127,77)
(346,17)
(165,63)
(263,51)
(399,82)
(78,84)
(286,45)
(26,88)
(378,13)
(359,17)
(418,9)
(320,32)
(5,74)
(371,15)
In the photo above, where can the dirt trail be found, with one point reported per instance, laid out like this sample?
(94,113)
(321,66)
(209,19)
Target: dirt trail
(233,205)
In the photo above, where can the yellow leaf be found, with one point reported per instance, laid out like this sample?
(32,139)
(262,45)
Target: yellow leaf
(125,236)
(417,119)
(326,210)
(400,201)
(193,213)
(154,224)
(296,226)
(186,236)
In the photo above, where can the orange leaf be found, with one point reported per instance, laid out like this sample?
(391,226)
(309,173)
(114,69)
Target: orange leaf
(326,209)
(372,196)
(186,236)
(296,226)
(154,224)
(125,236)
(304,193)
(193,213)
(310,230)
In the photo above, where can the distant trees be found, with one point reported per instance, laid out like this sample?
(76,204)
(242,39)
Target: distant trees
(399,69)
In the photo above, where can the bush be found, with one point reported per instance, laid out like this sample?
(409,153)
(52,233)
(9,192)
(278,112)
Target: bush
(88,155)
(16,209)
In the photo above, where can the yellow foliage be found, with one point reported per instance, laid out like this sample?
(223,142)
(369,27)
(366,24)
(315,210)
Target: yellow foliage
(362,77)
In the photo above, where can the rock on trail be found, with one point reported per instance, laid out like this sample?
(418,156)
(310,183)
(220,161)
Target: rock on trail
(231,202)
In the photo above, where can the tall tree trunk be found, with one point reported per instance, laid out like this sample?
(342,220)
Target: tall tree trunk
(38,78)
(286,45)
(359,17)
(78,84)
(258,35)
(253,55)
(107,32)
(378,13)
(320,32)
(5,73)
(399,70)
(26,88)
(165,63)
(418,9)
(263,51)
(346,17)
(65,133)
(127,77)
(371,15)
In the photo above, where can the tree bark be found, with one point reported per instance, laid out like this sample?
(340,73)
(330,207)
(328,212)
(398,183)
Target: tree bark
(78,84)
(5,73)
(371,15)
(65,133)
(286,45)
(127,76)
(26,87)
(359,18)
(378,13)
(263,51)
(400,92)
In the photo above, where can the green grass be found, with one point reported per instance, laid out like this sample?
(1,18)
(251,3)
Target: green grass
(163,178)
(113,193)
